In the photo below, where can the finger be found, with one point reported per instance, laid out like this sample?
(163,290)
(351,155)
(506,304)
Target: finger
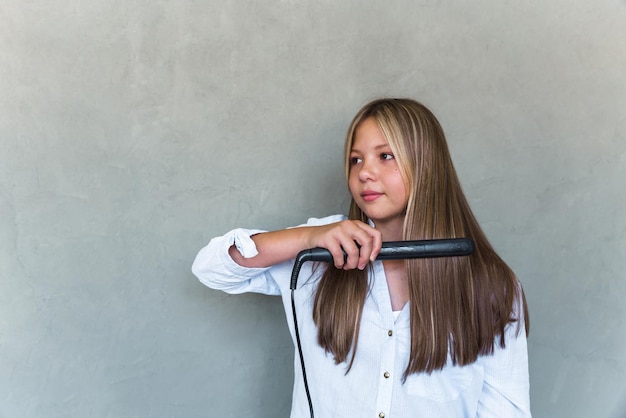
(364,255)
(364,238)
(337,254)
(365,243)
(352,253)
(377,244)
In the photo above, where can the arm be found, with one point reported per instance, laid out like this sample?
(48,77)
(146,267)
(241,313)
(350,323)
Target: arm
(279,246)
(239,261)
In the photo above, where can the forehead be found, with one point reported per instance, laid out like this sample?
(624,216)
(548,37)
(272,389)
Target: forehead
(368,135)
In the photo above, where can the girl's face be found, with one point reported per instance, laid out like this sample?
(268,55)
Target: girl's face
(374,178)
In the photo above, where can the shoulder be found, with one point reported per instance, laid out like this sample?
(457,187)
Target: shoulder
(325,220)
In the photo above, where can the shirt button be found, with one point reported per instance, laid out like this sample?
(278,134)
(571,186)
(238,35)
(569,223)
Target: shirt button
(386,374)
(390,333)
(381,415)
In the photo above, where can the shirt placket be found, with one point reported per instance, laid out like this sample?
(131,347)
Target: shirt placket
(387,375)
(386,372)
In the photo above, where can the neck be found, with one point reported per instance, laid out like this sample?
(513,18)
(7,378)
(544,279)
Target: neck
(390,232)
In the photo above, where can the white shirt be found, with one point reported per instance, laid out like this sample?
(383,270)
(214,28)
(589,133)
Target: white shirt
(493,386)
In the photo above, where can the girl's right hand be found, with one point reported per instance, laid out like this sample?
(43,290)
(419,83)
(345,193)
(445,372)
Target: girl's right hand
(360,242)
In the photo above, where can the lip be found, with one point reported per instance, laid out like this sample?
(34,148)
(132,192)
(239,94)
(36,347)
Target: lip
(370,196)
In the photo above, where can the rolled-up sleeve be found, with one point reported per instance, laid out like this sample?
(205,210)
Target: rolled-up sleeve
(216,269)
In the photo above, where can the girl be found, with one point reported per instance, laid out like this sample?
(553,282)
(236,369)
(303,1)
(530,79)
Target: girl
(439,337)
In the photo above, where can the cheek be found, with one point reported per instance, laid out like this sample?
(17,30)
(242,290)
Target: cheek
(402,190)
(353,190)
(353,179)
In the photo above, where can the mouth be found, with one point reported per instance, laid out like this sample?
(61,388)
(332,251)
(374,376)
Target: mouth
(370,196)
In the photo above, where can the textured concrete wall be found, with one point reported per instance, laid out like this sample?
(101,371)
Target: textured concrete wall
(132,132)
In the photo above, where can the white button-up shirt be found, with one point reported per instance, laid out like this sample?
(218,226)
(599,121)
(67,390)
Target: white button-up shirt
(494,386)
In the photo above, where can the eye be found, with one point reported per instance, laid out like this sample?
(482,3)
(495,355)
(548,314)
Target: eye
(354,160)
(386,156)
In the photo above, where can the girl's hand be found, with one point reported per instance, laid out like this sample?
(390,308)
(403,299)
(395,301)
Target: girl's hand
(348,236)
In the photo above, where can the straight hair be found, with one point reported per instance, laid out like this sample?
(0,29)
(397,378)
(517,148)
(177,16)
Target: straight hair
(458,306)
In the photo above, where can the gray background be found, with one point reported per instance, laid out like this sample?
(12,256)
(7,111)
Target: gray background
(131,132)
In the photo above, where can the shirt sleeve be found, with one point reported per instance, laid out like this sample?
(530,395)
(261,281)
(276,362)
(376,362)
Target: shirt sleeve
(506,387)
(216,269)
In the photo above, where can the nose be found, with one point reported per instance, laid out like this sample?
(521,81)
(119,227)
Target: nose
(367,171)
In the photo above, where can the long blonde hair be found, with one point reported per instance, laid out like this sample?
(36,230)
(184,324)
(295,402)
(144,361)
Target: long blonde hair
(458,305)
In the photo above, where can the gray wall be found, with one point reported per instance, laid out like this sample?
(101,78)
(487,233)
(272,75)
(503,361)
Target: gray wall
(132,132)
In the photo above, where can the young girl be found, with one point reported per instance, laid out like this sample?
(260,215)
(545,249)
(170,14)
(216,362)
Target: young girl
(438,337)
